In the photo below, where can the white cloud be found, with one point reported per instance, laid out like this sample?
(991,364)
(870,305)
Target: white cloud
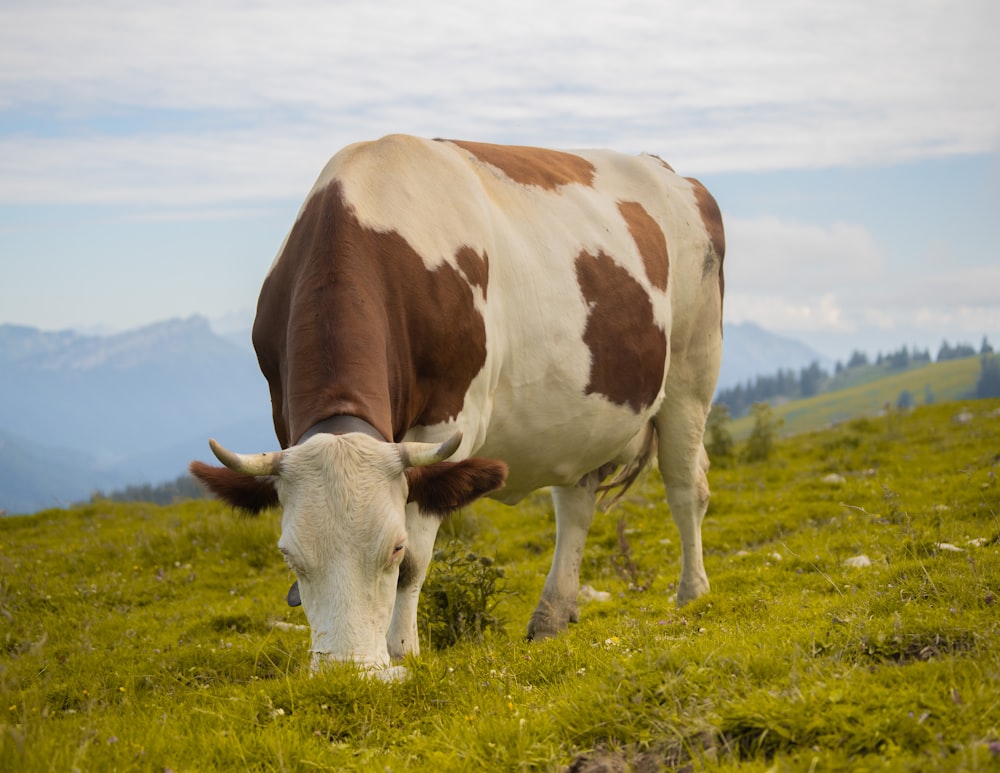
(804,259)
(721,86)
(799,278)
(778,312)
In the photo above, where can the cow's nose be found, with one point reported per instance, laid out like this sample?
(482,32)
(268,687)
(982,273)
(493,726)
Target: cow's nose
(294,599)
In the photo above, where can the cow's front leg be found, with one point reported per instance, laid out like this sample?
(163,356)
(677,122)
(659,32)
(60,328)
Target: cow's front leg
(421,530)
(557,608)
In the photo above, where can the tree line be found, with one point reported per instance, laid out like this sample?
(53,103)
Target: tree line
(177,490)
(813,379)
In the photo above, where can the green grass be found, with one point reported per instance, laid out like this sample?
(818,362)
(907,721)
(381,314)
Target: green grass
(947,381)
(135,637)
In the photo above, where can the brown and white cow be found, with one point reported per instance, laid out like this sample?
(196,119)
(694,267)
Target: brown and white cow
(535,317)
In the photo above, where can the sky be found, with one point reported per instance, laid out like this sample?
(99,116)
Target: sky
(153,155)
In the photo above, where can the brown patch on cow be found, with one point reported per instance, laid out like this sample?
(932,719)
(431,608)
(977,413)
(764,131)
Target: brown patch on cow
(350,321)
(445,487)
(547,169)
(650,240)
(244,492)
(711,217)
(663,163)
(628,349)
(475,267)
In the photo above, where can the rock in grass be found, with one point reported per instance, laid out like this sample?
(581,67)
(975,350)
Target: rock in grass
(589,594)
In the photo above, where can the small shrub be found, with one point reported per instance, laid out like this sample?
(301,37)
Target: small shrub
(627,567)
(719,439)
(765,428)
(460,596)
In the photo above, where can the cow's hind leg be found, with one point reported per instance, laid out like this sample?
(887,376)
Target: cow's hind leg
(574,506)
(683,463)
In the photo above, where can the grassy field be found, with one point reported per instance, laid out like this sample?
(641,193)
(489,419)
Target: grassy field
(853,623)
(943,381)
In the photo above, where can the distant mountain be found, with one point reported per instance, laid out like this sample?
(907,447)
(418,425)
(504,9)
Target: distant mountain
(748,351)
(33,476)
(81,413)
(120,409)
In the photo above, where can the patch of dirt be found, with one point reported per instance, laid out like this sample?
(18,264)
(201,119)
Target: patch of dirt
(659,757)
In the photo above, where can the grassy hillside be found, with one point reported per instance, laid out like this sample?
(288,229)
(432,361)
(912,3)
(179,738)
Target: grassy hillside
(853,624)
(943,381)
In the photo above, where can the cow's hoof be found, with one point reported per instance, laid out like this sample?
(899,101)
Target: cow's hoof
(687,592)
(551,619)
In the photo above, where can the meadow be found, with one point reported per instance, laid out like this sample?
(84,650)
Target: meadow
(853,623)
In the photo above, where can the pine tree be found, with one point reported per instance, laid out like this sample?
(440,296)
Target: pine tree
(988,384)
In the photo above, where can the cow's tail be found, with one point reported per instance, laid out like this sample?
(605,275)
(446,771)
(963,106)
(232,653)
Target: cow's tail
(613,490)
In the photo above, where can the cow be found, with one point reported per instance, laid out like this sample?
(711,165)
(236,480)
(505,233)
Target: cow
(448,320)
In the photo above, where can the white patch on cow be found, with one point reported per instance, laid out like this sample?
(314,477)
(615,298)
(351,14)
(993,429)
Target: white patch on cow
(345,565)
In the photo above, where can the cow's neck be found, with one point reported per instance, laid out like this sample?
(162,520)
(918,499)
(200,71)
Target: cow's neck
(352,322)
(341,425)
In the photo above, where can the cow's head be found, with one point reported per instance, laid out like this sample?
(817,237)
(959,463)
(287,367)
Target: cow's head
(343,527)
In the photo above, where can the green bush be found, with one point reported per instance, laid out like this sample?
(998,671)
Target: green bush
(762,436)
(460,597)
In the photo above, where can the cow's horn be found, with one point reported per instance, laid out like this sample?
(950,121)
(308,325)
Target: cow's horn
(248,464)
(422,454)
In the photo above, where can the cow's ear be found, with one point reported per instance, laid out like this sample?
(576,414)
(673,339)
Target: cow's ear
(244,492)
(444,487)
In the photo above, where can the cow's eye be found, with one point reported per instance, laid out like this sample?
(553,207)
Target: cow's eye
(295,566)
(397,552)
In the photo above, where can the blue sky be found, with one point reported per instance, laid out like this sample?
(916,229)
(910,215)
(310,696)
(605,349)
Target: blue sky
(152,156)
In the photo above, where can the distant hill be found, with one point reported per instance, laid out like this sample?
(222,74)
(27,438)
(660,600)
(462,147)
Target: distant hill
(748,351)
(33,476)
(80,413)
(932,383)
